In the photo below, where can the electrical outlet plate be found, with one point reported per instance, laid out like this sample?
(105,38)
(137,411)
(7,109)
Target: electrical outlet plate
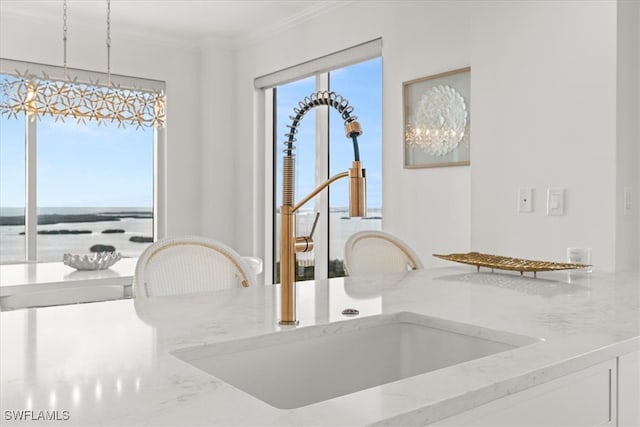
(525,200)
(628,197)
(555,201)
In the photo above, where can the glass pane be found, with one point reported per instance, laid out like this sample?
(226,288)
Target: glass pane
(12,189)
(95,187)
(287,97)
(361,85)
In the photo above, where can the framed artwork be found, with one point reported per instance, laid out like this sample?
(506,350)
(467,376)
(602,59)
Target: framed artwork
(437,118)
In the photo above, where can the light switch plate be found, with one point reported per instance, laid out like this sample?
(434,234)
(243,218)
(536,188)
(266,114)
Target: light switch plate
(525,200)
(555,201)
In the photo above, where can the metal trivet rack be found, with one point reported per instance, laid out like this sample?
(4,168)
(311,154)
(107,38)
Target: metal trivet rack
(507,263)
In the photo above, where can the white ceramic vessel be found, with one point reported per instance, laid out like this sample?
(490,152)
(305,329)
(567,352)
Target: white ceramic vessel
(96,261)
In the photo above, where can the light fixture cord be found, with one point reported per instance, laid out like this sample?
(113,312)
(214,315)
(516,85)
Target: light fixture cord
(109,42)
(64,36)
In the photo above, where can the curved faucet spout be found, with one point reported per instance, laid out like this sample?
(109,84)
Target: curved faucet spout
(330,99)
(352,129)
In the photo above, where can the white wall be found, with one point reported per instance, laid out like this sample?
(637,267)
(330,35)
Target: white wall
(428,208)
(543,84)
(628,137)
(26,39)
(544,90)
(219,143)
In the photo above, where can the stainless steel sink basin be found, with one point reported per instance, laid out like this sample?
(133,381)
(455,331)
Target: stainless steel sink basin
(298,367)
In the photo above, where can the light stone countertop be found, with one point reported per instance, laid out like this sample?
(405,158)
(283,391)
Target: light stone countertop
(108,363)
(29,278)
(35,277)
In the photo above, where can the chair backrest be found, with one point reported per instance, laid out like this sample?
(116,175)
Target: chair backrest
(370,252)
(189,264)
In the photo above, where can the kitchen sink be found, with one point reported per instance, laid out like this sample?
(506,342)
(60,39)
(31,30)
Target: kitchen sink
(297,367)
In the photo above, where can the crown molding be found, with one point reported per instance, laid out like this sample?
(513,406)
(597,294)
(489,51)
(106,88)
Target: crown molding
(218,42)
(193,43)
(316,9)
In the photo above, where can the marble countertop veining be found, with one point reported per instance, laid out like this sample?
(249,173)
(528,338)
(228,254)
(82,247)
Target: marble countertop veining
(109,363)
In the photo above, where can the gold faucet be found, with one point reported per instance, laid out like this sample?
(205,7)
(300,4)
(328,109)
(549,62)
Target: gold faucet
(289,243)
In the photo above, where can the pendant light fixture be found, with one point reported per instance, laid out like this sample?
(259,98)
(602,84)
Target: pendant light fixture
(67,98)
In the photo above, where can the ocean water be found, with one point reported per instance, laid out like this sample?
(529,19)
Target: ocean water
(51,247)
(15,211)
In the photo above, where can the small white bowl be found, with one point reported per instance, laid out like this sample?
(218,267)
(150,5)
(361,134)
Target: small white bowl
(96,261)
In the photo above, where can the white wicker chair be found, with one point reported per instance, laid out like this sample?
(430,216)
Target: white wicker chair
(189,264)
(370,252)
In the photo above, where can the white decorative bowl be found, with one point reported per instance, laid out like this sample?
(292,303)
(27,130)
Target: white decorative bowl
(96,261)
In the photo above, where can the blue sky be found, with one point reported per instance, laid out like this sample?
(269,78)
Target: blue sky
(78,165)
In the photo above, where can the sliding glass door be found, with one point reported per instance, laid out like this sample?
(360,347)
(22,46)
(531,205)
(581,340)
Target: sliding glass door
(323,150)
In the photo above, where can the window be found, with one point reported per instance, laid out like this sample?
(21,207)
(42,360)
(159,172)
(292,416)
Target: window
(12,189)
(91,186)
(362,85)
(323,150)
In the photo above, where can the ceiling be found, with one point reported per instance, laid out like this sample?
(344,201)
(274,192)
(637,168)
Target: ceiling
(238,21)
